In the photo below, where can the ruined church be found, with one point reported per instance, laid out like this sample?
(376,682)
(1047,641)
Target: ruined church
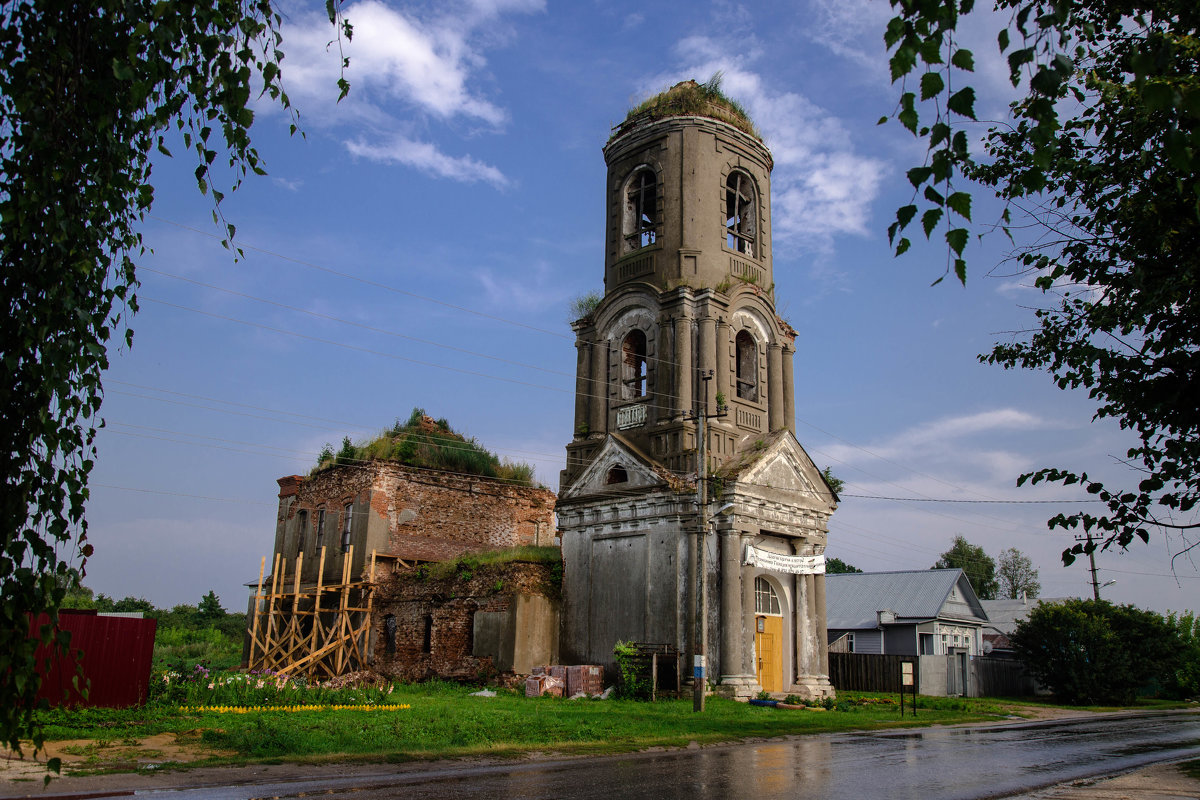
(689,513)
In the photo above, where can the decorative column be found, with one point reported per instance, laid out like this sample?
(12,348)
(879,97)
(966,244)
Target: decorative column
(733,616)
(789,390)
(807,656)
(684,368)
(583,388)
(598,393)
(707,358)
(822,630)
(774,387)
(724,380)
(748,624)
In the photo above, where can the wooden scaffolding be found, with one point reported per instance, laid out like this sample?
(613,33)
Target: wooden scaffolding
(317,631)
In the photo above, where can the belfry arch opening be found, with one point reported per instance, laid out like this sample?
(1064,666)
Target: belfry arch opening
(633,365)
(746,353)
(741,214)
(640,218)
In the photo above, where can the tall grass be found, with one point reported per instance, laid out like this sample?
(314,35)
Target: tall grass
(430,444)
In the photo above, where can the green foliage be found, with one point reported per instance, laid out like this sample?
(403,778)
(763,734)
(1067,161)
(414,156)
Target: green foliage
(1091,652)
(1184,682)
(835,483)
(634,683)
(979,566)
(429,444)
(688,99)
(210,606)
(87,94)
(445,721)
(1017,575)
(1099,158)
(583,306)
(835,566)
(488,561)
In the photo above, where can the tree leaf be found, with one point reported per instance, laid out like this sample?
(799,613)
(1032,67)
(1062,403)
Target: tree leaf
(931,85)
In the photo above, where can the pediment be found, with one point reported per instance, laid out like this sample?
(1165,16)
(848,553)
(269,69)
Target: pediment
(615,460)
(784,466)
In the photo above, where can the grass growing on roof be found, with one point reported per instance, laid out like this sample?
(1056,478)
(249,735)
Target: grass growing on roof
(691,99)
(428,444)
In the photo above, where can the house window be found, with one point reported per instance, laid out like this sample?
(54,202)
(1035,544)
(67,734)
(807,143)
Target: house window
(741,225)
(320,528)
(633,365)
(616,474)
(640,221)
(927,644)
(301,531)
(849,642)
(765,599)
(747,366)
(347,517)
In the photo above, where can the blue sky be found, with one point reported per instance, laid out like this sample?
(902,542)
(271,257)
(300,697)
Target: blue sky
(419,246)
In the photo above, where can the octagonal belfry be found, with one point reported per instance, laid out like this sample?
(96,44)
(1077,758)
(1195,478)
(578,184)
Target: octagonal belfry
(686,339)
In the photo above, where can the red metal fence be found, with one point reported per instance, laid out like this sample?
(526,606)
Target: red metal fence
(115,653)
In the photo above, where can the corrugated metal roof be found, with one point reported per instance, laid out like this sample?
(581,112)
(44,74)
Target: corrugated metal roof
(853,600)
(1004,614)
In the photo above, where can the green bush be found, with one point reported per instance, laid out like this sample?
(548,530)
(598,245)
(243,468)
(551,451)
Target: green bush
(1184,682)
(1091,652)
(634,683)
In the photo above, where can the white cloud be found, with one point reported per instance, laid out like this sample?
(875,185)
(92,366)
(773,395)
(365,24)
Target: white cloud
(853,29)
(426,157)
(976,454)
(404,71)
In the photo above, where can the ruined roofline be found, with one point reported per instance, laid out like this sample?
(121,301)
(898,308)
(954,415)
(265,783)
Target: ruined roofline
(688,99)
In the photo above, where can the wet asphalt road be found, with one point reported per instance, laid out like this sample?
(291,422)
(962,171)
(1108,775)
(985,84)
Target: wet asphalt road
(934,764)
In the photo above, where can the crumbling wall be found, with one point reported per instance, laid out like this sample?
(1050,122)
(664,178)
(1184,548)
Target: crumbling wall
(472,625)
(435,516)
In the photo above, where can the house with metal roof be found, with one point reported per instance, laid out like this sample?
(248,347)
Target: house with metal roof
(916,612)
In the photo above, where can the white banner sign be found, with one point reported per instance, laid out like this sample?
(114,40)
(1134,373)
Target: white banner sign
(794,565)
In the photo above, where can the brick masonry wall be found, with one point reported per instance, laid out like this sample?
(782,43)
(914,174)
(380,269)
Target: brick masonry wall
(418,514)
(448,607)
(477,513)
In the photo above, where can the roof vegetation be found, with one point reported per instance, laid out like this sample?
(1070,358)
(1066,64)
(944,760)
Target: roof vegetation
(427,443)
(690,99)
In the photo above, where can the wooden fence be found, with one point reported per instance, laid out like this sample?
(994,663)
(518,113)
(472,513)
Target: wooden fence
(989,677)
(860,672)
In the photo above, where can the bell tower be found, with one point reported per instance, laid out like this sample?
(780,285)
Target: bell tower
(686,330)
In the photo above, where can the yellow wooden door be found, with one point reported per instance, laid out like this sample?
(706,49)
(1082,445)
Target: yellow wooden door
(768,636)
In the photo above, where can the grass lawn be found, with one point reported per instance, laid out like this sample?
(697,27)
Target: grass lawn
(443,720)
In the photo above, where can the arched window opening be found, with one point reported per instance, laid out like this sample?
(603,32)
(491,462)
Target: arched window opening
(741,216)
(301,530)
(747,366)
(633,365)
(616,474)
(765,599)
(347,523)
(640,226)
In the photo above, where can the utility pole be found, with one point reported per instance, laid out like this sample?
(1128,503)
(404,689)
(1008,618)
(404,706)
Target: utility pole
(1091,553)
(699,669)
